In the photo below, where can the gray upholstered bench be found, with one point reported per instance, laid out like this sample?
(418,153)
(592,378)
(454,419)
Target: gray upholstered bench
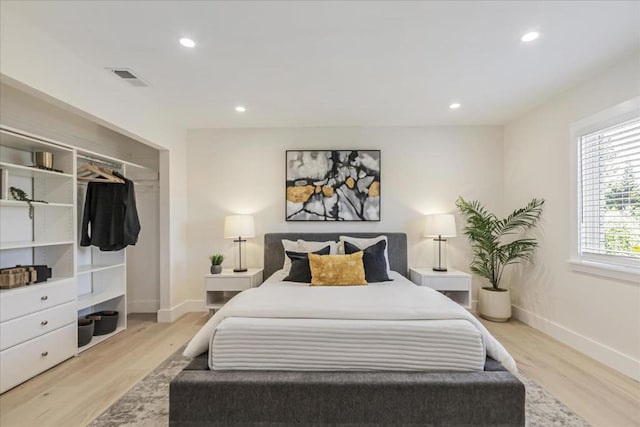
(201,397)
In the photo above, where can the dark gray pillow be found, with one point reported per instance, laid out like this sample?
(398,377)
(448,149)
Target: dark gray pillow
(375,264)
(300,270)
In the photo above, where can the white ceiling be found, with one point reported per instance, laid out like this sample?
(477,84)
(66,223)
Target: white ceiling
(344,63)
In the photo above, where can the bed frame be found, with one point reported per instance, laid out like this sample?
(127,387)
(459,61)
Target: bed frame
(201,397)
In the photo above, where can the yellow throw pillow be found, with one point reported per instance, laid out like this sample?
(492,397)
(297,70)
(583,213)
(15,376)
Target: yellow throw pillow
(337,270)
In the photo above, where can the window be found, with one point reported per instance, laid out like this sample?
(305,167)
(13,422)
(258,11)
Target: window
(609,194)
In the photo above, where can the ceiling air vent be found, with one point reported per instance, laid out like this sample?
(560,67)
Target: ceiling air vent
(127,75)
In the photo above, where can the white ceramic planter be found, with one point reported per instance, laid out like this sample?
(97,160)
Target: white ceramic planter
(494,305)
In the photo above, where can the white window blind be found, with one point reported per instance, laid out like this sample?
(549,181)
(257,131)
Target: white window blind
(610,192)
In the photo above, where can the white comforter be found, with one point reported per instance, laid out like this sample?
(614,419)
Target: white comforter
(389,301)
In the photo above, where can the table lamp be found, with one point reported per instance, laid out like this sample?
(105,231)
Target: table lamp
(440,226)
(239,227)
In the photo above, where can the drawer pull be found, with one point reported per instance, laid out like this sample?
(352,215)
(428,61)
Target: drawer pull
(44,298)
(44,354)
(44,322)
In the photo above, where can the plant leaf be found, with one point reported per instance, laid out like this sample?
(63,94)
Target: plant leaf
(484,230)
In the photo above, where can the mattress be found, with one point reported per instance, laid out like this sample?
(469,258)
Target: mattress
(312,344)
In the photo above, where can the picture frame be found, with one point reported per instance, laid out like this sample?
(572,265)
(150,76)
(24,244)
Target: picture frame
(332,185)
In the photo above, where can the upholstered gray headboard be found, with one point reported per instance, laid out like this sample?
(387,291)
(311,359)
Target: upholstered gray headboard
(274,252)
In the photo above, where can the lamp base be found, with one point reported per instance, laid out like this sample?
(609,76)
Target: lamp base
(440,254)
(240,263)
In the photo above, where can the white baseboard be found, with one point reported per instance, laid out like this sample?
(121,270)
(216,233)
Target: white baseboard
(177,311)
(598,351)
(143,306)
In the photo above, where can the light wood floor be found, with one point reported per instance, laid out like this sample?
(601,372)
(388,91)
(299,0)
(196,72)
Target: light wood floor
(75,392)
(599,394)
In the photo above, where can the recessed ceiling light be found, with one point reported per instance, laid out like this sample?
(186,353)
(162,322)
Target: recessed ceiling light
(186,42)
(454,106)
(241,109)
(529,37)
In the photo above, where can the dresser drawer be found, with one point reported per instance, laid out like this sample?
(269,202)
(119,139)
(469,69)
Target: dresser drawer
(228,283)
(32,298)
(33,325)
(447,283)
(23,361)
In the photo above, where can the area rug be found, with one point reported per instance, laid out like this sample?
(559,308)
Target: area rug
(147,403)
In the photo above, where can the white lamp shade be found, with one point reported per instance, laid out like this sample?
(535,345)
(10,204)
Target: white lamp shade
(440,225)
(239,226)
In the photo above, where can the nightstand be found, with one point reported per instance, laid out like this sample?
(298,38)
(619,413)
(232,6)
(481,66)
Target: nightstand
(453,283)
(220,288)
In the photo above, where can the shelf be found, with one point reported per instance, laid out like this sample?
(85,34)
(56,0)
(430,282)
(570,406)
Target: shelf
(19,203)
(89,300)
(31,244)
(9,138)
(100,338)
(215,306)
(98,156)
(94,268)
(461,297)
(32,172)
(216,299)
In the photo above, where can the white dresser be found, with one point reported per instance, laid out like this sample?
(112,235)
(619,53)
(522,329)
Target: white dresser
(37,329)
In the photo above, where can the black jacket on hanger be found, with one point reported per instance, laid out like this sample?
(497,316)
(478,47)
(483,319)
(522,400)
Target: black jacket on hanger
(111,214)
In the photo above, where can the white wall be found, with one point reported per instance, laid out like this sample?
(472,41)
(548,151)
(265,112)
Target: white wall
(423,171)
(598,316)
(26,112)
(143,259)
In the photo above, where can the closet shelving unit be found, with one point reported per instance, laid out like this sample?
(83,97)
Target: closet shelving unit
(37,322)
(38,326)
(102,276)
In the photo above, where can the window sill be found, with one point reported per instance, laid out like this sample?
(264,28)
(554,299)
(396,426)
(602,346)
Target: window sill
(617,272)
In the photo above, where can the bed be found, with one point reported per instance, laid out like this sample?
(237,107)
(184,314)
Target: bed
(264,385)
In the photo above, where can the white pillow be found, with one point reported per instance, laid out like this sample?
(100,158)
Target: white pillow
(308,246)
(291,246)
(363,243)
(305,246)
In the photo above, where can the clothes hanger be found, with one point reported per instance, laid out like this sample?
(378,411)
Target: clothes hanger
(87,171)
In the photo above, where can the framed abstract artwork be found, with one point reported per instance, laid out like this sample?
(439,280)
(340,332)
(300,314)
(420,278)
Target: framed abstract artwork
(333,185)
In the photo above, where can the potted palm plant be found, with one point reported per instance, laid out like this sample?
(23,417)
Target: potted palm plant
(216,263)
(496,245)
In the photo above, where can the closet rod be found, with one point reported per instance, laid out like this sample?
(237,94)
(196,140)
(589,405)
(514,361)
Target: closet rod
(102,162)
